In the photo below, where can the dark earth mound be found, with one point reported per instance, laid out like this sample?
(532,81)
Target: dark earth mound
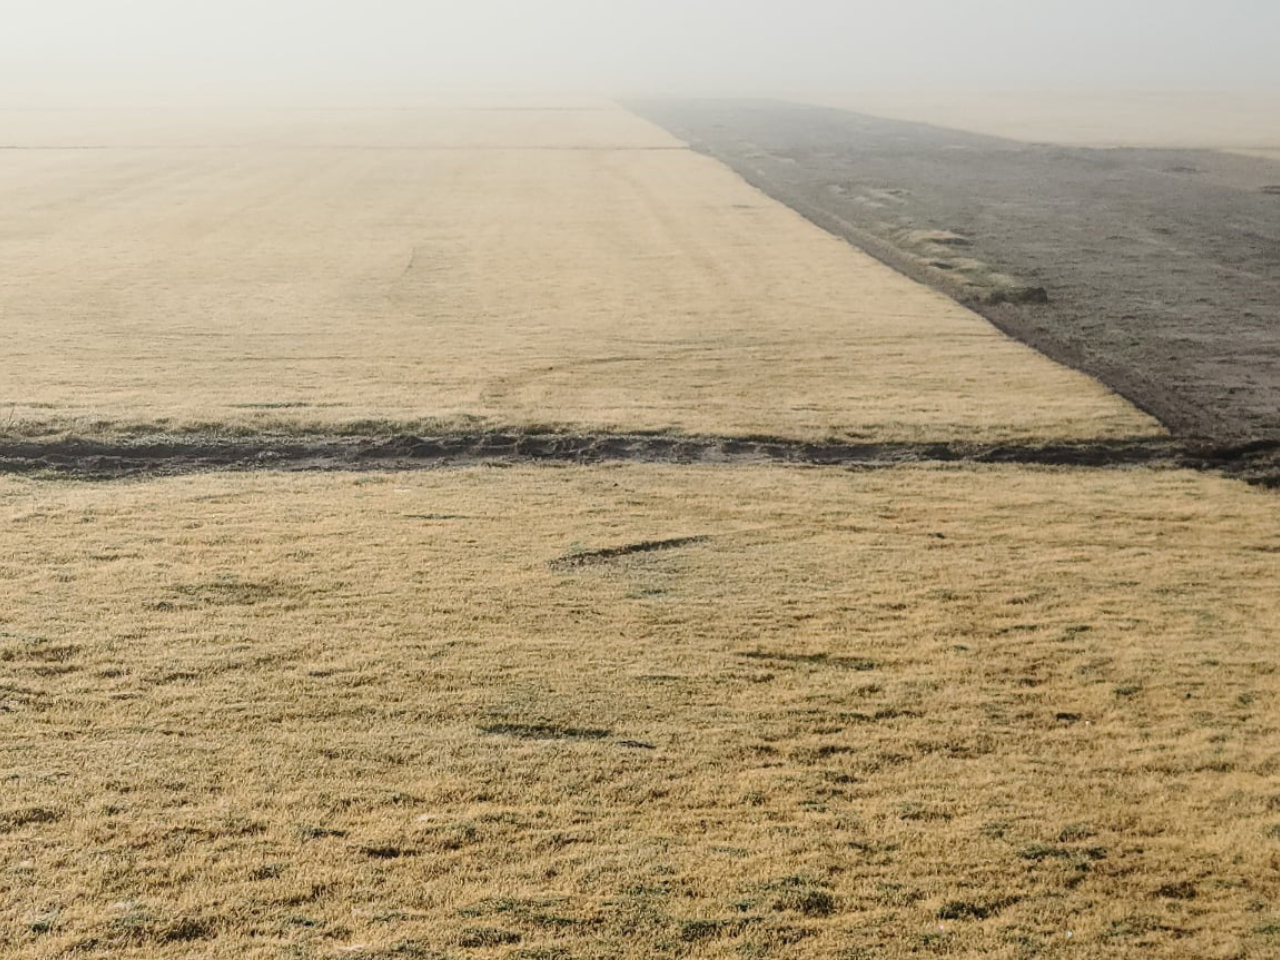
(1155,271)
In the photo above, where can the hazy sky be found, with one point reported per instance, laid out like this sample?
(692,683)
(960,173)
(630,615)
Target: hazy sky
(164,48)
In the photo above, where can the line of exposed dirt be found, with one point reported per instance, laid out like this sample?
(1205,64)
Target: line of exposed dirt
(1257,462)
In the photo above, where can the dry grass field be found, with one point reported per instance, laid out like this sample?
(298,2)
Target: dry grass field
(617,712)
(549,712)
(1236,122)
(449,124)
(408,269)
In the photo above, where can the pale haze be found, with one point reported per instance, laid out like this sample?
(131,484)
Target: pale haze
(73,49)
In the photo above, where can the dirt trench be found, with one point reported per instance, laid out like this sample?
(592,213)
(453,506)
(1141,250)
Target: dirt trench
(1257,462)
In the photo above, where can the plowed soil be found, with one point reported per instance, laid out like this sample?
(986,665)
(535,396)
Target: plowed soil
(1257,463)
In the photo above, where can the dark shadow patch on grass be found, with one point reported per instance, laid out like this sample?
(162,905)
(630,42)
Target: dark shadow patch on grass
(19,817)
(138,927)
(920,813)
(1039,852)
(15,647)
(412,950)
(542,953)
(974,909)
(583,558)
(810,902)
(387,852)
(474,937)
(860,664)
(222,591)
(1139,926)
(1077,832)
(545,731)
(539,912)
(185,931)
(695,931)
(804,894)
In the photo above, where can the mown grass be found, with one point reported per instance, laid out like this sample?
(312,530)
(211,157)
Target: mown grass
(964,712)
(510,267)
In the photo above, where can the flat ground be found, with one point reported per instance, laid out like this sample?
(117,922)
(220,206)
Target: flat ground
(640,711)
(1161,268)
(419,270)
(555,711)
(1239,122)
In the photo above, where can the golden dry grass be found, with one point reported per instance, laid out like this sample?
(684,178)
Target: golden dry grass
(456,122)
(997,713)
(543,713)
(419,269)
(1237,122)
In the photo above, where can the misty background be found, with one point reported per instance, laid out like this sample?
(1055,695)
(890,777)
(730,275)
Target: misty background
(78,50)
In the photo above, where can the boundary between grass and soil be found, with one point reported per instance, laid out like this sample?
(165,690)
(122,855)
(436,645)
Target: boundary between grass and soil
(1148,395)
(1151,271)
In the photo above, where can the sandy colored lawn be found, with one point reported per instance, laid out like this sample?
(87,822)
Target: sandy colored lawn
(404,269)
(997,713)
(1239,122)
(456,122)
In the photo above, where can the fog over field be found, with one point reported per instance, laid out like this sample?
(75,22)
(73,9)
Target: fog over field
(639,480)
(289,48)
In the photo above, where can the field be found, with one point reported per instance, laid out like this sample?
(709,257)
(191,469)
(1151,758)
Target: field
(1246,123)
(942,711)
(427,272)
(1155,270)
(677,691)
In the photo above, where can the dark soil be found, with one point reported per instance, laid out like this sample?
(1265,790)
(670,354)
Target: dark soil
(1155,271)
(1257,462)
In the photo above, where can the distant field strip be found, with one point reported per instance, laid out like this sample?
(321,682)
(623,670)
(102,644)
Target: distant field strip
(454,124)
(1236,122)
(618,712)
(562,267)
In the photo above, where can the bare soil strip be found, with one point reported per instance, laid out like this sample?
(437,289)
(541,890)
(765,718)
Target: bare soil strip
(1155,271)
(1257,462)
